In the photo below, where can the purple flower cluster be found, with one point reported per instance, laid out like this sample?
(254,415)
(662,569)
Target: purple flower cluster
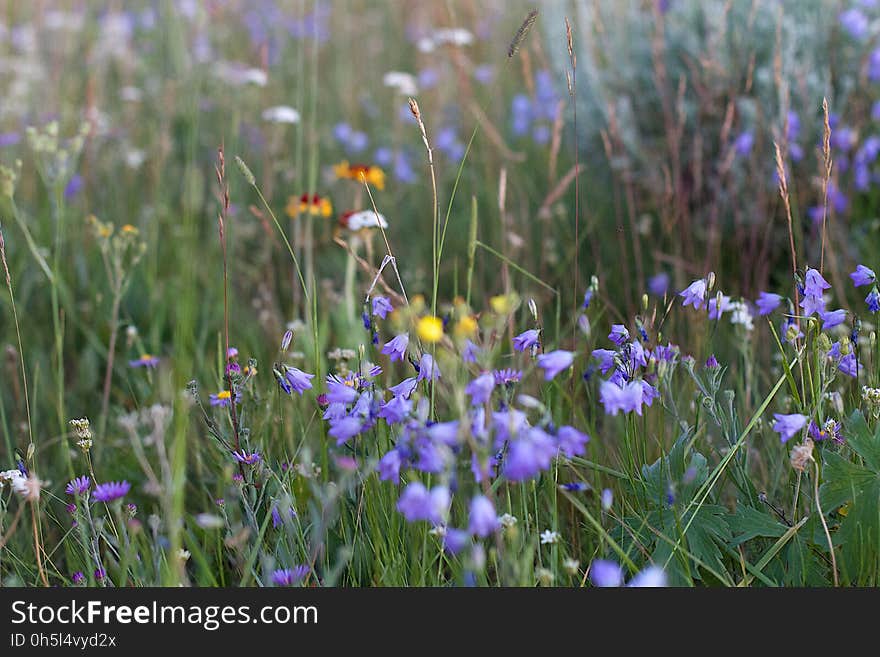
(633,372)
(353,405)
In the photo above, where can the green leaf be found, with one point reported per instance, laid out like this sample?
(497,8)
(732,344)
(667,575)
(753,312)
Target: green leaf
(858,486)
(748,523)
(862,441)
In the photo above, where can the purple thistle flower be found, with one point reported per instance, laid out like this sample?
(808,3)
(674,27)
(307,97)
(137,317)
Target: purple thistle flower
(248,459)
(768,302)
(863,276)
(618,334)
(814,284)
(482,519)
(100,574)
(507,376)
(78,577)
(79,486)
(382,306)
(112,490)
(428,369)
(788,425)
(480,389)
(297,380)
(832,318)
(831,429)
(605,573)
(395,348)
(555,362)
(626,398)
(571,441)
(873,300)
(288,576)
(694,294)
(526,340)
(146,360)
(712,362)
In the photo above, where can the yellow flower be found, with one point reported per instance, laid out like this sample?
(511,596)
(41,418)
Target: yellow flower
(465,327)
(130,230)
(374,176)
(101,229)
(224,394)
(430,329)
(315,205)
(504,304)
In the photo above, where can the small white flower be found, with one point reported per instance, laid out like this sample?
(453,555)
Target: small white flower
(11,477)
(507,521)
(183,555)
(438,530)
(255,76)
(281,114)
(740,314)
(134,158)
(571,566)
(365,219)
(549,537)
(455,36)
(426,45)
(406,84)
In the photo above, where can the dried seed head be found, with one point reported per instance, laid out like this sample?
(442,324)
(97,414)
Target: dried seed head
(414,108)
(801,455)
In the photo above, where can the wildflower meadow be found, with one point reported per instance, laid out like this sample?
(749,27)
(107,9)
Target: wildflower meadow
(341,293)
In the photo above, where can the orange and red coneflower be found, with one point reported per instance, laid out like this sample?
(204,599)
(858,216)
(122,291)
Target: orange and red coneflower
(315,205)
(359,172)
